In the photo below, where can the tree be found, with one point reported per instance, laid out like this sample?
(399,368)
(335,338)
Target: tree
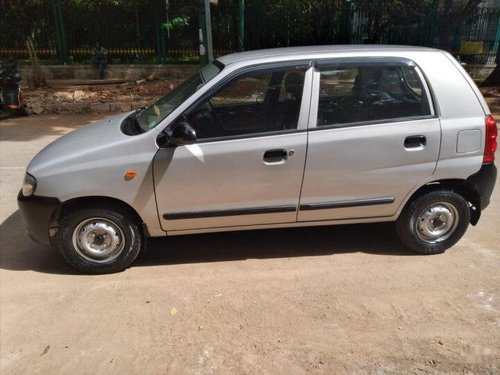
(452,15)
(384,16)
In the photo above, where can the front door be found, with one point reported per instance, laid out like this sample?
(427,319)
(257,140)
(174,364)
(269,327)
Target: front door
(247,165)
(376,138)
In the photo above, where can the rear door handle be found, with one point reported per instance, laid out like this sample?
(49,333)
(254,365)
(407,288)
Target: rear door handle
(275,156)
(415,141)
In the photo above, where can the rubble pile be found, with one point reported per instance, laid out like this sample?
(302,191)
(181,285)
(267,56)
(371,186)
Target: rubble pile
(490,92)
(492,97)
(79,99)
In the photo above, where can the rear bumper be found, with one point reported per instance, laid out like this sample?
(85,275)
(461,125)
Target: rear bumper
(484,182)
(37,213)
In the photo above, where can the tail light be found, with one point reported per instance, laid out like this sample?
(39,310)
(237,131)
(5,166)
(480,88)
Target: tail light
(491,140)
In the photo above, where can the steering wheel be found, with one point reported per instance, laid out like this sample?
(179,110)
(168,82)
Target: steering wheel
(203,123)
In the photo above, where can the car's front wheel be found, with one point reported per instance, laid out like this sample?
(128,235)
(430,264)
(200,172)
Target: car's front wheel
(433,222)
(99,240)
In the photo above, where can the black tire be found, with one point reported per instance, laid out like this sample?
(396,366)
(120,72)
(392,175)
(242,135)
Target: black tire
(127,236)
(415,224)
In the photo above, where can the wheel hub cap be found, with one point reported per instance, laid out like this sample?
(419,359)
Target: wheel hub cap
(98,240)
(437,222)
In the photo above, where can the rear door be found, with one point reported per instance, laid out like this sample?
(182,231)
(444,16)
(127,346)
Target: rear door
(373,137)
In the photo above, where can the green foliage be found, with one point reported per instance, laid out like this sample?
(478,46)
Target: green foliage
(382,16)
(386,18)
(134,24)
(276,23)
(175,23)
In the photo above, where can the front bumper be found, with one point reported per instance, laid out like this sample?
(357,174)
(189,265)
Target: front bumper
(37,213)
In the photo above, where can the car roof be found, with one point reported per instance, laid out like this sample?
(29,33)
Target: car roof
(302,52)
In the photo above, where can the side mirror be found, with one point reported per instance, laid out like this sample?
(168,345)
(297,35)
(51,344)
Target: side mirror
(179,135)
(183,134)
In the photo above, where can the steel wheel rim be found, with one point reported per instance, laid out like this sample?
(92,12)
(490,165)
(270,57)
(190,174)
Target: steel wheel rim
(98,240)
(437,222)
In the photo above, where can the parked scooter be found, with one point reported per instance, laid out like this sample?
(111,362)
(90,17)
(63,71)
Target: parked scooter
(11,98)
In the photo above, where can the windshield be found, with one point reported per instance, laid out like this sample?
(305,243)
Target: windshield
(149,117)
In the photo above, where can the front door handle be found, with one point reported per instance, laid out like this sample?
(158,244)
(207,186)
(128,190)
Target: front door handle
(275,156)
(415,141)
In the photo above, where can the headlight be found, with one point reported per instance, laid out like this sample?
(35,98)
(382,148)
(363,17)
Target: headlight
(29,185)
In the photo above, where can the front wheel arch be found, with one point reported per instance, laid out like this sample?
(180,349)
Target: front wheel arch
(95,202)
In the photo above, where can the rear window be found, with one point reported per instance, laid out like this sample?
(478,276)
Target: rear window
(373,93)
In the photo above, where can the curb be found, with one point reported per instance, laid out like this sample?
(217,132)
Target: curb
(84,108)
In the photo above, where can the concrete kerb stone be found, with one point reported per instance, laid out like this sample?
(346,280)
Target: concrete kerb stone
(83,108)
(113,72)
(100,107)
(124,107)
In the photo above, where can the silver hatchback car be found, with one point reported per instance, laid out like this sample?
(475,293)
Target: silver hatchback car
(270,139)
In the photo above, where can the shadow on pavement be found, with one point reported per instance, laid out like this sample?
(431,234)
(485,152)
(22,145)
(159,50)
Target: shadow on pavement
(19,252)
(377,239)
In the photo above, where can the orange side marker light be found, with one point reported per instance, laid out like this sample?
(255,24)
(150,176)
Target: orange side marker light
(130,174)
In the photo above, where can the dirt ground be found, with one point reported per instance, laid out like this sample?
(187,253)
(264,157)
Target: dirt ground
(329,300)
(110,97)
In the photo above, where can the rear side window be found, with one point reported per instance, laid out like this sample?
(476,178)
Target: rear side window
(370,93)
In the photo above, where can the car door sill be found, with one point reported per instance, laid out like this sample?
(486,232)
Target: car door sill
(294,224)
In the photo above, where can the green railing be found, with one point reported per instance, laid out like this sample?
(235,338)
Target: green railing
(132,31)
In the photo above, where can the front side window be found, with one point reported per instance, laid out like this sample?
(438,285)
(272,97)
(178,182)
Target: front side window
(253,103)
(149,117)
(370,93)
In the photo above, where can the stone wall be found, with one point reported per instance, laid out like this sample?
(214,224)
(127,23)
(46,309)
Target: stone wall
(119,72)
(479,73)
(174,71)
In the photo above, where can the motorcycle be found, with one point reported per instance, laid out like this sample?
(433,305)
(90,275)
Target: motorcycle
(11,98)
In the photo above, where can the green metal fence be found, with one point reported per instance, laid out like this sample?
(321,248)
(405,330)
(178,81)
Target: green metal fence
(67,30)
(131,30)
(475,40)
(483,28)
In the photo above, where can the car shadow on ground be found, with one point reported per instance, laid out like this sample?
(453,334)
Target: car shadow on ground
(19,252)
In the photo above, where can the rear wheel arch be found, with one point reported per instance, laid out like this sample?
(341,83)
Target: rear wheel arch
(461,187)
(434,221)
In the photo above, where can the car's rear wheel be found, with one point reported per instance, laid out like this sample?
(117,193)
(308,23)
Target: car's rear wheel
(433,222)
(99,240)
